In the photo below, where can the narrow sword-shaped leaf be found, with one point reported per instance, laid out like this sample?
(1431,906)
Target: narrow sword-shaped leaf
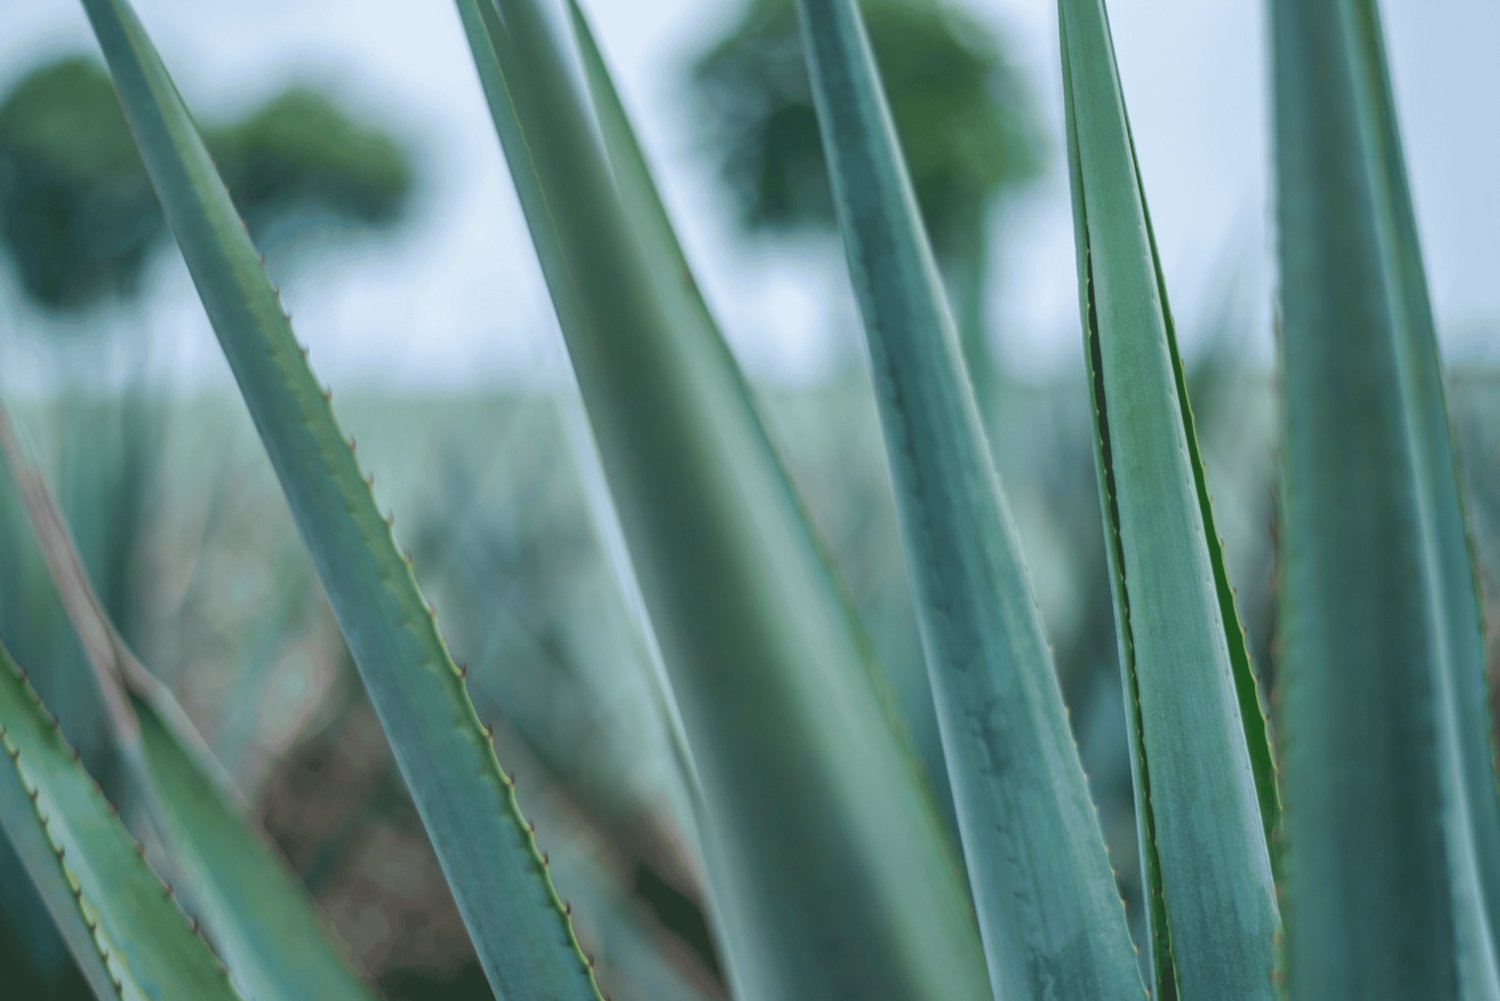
(1246,685)
(1050,913)
(1202,767)
(488,852)
(37,869)
(670,265)
(1473,804)
(262,919)
(830,870)
(638,191)
(668,261)
(126,932)
(1390,787)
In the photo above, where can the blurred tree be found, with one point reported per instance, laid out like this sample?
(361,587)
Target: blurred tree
(77,213)
(968,130)
(299,152)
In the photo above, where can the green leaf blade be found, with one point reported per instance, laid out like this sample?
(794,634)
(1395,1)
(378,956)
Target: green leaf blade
(1247,688)
(126,932)
(487,851)
(1470,740)
(1052,919)
(716,365)
(263,920)
(1391,810)
(1201,763)
(830,869)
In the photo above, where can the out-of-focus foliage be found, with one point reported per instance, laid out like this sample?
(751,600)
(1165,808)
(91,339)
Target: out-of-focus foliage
(300,151)
(189,540)
(105,458)
(967,124)
(77,214)
(529,602)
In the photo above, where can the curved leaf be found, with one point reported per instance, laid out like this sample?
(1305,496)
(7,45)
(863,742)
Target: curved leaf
(261,917)
(1202,766)
(1051,916)
(830,869)
(125,931)
(488,852)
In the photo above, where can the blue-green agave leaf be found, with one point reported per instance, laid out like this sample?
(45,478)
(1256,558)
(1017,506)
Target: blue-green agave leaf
(1473,803)
(1393,836)
(1050,913)
(127,934)
(262,919)
(1205,797)
(669,264)
(830,871)
(488,852)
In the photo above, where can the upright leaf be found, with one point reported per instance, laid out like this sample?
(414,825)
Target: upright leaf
(1391,815)
(830,871)
(669,264)
(1473,803)
(261,917)
(1049,911)
(499,877)
(638,192)
(1202,768)
(123,927)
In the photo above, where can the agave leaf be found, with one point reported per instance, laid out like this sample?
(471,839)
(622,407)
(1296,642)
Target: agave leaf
(670,265)
(830,871)
(1390,823)
(638,191)
(521,932)
(1472,802)
(34,626)
(261,917)
(642,961)
(39,870)
(125,931)
(687,794)
(1051,916)
(1246,685)
(1197,734)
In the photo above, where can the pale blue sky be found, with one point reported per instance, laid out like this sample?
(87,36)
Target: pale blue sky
(456,299)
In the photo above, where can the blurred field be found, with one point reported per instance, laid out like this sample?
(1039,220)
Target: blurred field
(181,521)
(497,495)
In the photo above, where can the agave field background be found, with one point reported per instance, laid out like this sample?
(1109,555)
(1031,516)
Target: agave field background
(919,673)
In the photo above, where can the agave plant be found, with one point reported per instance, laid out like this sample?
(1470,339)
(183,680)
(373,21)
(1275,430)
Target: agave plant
(830,871)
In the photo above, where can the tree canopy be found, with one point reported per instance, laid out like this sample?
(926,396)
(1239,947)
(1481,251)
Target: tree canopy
(77,214)
(967,125)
